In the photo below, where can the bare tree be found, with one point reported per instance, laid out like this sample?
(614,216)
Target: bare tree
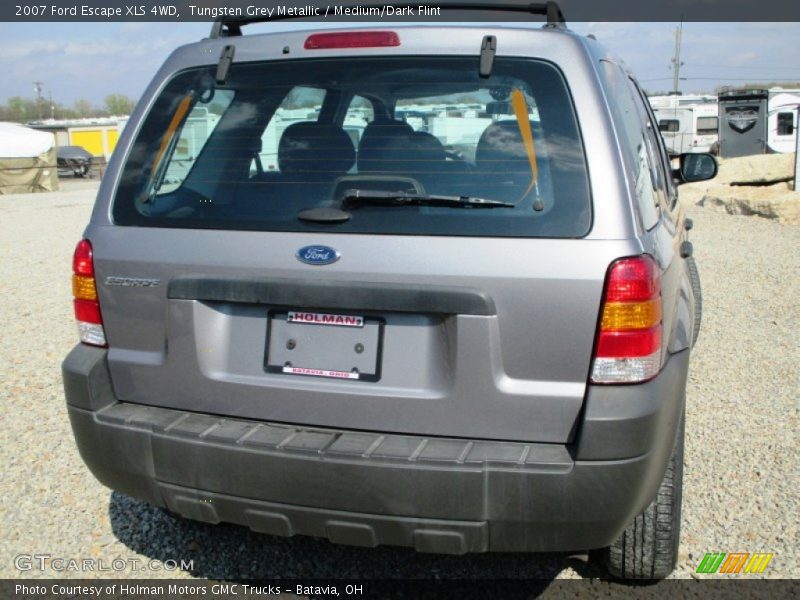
(118,104)
(83,108)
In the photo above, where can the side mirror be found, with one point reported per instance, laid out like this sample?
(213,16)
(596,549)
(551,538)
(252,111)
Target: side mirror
(696,167)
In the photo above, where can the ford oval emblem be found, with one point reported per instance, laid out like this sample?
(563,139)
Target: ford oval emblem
(317,255)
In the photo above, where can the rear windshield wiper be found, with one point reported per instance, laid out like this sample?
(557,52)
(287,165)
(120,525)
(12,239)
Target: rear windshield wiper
(355,198)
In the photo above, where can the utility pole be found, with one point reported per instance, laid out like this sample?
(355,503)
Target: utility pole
(676,61)
(37,87)
(797,152)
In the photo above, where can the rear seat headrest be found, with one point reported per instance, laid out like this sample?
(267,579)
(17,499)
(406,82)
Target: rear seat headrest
(377,137)
(377,130)
(313,148)
(500,141)
(428,147)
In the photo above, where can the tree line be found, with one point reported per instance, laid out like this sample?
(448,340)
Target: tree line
(24,110)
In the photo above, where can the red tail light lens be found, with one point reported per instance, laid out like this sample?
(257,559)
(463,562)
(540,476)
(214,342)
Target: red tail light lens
(629,337)
(633,280)
(352,39)
(82,259)
(87,311)
(84,291)
(629,344)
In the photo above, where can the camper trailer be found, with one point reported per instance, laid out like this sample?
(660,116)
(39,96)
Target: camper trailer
(687,123)
(782,108)
(758,121)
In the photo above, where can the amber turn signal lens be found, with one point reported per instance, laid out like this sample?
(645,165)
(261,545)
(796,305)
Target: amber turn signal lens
(631,315)
(83,288)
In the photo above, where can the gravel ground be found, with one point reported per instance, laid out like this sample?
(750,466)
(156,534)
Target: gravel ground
(741,477)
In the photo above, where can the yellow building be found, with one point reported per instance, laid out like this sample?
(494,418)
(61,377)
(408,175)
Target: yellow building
(97,136)
(100,141)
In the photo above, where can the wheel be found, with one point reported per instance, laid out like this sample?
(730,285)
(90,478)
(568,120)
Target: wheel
(648,548)
(694,275)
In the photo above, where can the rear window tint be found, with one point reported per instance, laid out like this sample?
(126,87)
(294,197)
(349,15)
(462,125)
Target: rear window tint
(190,140)
(285,137)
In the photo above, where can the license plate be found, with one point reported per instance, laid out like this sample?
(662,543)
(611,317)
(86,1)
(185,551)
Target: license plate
(317,344)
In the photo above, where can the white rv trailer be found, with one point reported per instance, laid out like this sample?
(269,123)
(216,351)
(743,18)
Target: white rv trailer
(678,100)
(758,121)
(687,123)
(782,109)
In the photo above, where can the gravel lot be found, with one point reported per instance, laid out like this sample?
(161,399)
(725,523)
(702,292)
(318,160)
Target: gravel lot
(741,479)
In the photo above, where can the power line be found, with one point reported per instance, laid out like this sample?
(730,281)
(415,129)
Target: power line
(761,72)
(740,66)
(733,78)
(715,78)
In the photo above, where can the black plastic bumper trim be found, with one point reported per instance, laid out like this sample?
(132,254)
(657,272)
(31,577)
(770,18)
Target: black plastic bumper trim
(435,494)
(628,420)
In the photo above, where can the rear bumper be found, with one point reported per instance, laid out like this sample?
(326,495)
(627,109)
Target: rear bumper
(434,494)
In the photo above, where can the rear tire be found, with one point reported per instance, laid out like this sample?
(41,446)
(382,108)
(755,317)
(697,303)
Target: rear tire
(648,548)
(694,276)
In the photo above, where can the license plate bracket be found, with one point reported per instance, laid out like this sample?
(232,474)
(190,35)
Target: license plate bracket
(324,344)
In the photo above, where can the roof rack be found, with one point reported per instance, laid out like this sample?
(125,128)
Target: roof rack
(232,27)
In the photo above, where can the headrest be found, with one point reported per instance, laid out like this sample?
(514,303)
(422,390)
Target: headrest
(428,147)
(316,148)
(377,137)
(501,141)
(377,130)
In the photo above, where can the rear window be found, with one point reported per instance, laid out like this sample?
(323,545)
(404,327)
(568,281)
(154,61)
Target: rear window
(410,145)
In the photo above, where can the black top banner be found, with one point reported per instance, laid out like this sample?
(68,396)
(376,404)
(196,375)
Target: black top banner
(442,11)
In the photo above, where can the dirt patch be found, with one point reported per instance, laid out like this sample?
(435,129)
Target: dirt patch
(769,200)
(755,169)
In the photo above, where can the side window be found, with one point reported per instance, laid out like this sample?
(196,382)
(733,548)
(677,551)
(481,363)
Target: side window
(707,125)
(636,146)
(359,114)
(300,104)
(194,133)
(668,125)
(785,123)
(660,157)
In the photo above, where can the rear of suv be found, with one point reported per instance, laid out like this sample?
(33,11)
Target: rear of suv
(421,286)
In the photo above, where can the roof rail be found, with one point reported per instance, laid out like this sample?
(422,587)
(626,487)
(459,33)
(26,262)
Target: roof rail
(232,27)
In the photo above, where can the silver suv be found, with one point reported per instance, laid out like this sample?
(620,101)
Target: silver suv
(422,286)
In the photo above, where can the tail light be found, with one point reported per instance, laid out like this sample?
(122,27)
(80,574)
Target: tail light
(628,346)
(84,292)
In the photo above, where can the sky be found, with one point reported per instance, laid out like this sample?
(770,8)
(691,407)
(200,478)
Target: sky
(92,60)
